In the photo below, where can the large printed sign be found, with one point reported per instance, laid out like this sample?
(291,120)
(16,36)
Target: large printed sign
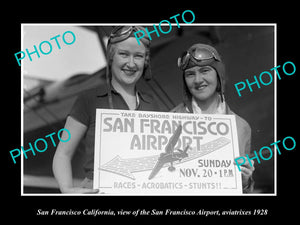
(154,153)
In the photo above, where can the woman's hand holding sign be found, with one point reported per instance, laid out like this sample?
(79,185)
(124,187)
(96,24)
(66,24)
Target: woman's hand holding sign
(247,171)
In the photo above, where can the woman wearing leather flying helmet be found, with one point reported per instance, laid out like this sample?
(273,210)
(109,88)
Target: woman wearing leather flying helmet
(204,80)
(127,63)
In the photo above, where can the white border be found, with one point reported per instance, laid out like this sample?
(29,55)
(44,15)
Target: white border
(275,110)
(22,115)
(151,24)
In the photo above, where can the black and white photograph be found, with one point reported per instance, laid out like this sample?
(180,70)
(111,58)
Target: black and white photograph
(195,69)
(131,115)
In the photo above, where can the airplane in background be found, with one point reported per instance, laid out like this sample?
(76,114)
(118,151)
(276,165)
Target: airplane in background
(46,103)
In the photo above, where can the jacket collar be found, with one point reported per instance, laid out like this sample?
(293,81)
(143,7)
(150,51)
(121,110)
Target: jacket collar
(102,91)
(188,104)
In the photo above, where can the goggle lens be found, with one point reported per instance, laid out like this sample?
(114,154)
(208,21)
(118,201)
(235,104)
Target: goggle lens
(197,55)
(120,33)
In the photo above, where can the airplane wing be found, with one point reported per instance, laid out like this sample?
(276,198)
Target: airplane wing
(173,140)
(159,164)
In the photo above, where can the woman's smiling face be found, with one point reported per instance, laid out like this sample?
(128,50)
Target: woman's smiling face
(128,62)
(202,82)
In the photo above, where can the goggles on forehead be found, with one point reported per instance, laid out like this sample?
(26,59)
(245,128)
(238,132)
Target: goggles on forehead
(120,33)
(197,55)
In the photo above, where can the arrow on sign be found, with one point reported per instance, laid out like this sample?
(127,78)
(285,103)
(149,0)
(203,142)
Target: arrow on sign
(125,167)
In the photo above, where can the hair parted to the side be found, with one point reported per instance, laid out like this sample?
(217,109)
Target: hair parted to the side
(110,52)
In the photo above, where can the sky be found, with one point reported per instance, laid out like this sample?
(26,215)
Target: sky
(83,56)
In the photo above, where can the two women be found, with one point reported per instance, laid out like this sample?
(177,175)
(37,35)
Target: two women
(203,75)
